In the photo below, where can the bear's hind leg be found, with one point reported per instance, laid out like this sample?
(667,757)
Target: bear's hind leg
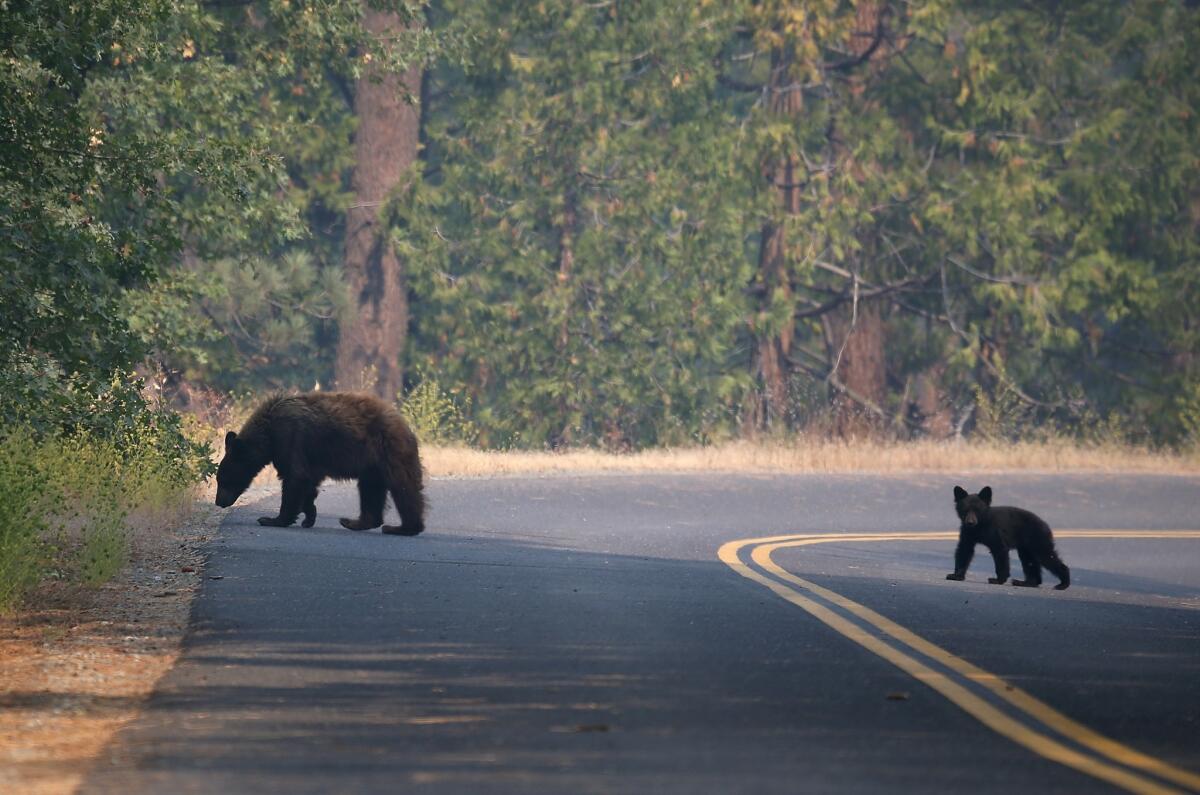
(372,495)
(410,503)
(1029,564)
(310,508)
(1000,558)
(1054,563)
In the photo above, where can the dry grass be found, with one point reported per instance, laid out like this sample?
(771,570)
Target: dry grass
(816,456)
(799,455)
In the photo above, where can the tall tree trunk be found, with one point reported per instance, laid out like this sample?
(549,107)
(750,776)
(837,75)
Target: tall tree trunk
(372,338)
(566,263)
(773,280)
(855,341)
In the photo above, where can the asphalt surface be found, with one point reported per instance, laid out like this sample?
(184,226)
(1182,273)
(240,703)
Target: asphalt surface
(581,635)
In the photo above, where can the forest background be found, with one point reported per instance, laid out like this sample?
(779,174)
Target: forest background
(610,224)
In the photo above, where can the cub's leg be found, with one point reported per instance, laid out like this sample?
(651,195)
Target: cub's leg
(1054,563)
(372,494)
(1032,569)
(962,559)
(295,494)
(1000,557)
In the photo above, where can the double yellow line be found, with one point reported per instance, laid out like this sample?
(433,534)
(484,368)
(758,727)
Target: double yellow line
(1104,758)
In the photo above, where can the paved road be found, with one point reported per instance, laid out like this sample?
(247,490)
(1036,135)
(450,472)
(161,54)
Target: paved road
(577,635)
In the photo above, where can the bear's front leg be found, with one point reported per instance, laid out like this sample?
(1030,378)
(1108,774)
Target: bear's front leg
(962,559)
(295,494)
(1000,557)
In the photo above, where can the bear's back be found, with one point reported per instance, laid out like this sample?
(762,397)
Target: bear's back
(346,409)
(1018,526)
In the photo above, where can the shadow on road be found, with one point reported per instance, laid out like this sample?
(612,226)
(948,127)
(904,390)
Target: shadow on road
(499,665)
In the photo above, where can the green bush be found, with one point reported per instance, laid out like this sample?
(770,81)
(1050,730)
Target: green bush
(67,494)
(436,416)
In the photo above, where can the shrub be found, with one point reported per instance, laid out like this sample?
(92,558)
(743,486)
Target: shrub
(71,475)
(436,416)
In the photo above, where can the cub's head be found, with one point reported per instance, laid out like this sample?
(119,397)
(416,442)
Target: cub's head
(973,509)
(236,471)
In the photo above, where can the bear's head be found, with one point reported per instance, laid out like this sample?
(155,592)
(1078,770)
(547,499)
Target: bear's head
(973,509)
(236,471)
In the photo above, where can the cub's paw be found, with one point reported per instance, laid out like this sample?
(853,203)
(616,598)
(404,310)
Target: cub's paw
(1062,586)
(397,530)
(309,520)
(956,576)
(274,521)
(998,580)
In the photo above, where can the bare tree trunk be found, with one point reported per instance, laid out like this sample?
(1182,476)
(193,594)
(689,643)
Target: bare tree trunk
(566,263)
(372,338)
(933,413)
(855,340)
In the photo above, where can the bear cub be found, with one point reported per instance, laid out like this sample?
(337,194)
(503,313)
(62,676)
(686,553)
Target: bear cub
(1001,529)
(323,435)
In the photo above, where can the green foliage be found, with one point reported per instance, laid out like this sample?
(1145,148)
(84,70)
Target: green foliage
(1189,413)
(1001,416)
(24,486)
(66,499)
(586,248)
(1012,186)
(254,301)
(245,323)
(74,461)
(436,416)
(578,268)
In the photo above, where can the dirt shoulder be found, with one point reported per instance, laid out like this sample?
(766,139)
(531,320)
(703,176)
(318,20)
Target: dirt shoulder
(79,665)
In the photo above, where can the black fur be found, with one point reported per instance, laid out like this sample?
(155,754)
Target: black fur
(1001,529)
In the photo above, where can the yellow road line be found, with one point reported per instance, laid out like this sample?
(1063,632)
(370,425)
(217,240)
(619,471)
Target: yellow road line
(1039,743)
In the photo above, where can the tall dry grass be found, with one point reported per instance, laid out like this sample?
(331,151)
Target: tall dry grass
(817,456)
(814,453)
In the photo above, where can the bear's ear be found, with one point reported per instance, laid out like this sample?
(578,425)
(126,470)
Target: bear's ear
(230,441)
(985,494)
(959,493)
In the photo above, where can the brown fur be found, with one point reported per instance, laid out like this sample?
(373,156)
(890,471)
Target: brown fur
(321,435)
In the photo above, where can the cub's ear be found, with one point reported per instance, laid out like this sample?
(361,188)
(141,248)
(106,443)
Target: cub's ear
(230,440)
(959,493)
(985,494)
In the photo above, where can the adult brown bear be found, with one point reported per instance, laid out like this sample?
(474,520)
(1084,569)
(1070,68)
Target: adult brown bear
(328,435)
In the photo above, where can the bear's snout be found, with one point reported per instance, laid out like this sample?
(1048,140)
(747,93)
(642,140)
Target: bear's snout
(970,519)
(225,499)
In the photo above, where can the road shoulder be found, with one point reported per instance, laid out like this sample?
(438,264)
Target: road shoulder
(79,665)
